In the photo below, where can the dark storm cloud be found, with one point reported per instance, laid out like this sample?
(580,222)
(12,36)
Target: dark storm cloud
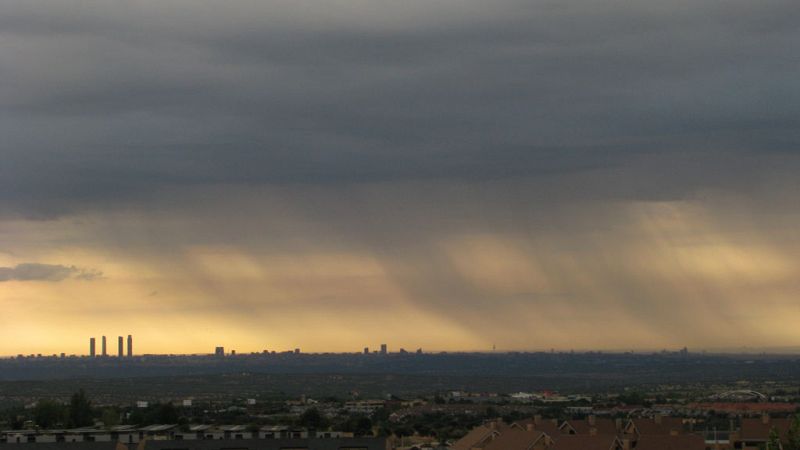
(46,272)
(103,104)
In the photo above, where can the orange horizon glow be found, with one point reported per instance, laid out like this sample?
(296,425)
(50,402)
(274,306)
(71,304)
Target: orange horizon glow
(659,275)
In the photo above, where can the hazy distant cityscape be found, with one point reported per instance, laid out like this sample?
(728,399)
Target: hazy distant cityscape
(403,400)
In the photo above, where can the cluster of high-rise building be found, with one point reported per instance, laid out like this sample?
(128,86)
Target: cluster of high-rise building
(385,350)
(218,351)
(104,347)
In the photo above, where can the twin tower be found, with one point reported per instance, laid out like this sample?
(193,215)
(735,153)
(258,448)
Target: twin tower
(93,349)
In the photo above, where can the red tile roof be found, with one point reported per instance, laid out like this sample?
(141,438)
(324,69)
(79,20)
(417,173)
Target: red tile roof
(757,430)
(655,426)
(515,439)
(745,407)
(586,442)
(547,426)
(600,426)
(666,442)
(477,437)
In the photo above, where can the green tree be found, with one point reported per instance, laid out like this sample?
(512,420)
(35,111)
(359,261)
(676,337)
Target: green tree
(403,431)
(311,418)
(793,434)
(774,441)
(363,427)
(422,429)
(110,417)
(48,413)
(80,410)
(166,413)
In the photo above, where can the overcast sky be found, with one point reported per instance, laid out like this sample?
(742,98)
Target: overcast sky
(438,174)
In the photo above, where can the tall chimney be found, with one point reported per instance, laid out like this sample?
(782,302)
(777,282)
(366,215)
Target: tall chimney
(130,346)
(120,347)
(105,352)
(92,351)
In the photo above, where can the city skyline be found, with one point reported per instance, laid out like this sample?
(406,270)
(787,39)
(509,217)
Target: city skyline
(449,175)
(126,351)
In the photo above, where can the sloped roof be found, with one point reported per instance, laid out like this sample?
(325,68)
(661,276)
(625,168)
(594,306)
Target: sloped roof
(601,426)
(233,428)
(663,426)
(547,426)
(475,438)
(514,439)
(757,430)
(158,427)
(586,442)
(666,442)
(274,428)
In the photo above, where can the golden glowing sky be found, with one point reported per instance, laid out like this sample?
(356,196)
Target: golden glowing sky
(624,274)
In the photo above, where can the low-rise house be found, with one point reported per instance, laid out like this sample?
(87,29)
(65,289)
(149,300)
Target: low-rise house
(282,432)
(584,434)
(235,432)
(87,435)
(754,433)
(591,425)
(333,434)
(717,439)
(364,406)
(128,434)
(18,436)
(194,432)
(537,423)
(518,439)
(159,432)
(656,426)
(742,408)
(667,442)
(479,436)
(586,442)
(225,444)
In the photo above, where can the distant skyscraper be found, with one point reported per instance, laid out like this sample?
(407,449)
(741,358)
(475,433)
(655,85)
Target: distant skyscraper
(130,346)
(366,350)
(383,349)
(219,351)
(120,347)
(91,348)
(103,341)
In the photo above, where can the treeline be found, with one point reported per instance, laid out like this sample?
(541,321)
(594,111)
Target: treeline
(78,412)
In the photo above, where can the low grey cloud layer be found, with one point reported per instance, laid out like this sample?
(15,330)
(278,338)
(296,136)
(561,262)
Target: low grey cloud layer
(46,272)
(105,104)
